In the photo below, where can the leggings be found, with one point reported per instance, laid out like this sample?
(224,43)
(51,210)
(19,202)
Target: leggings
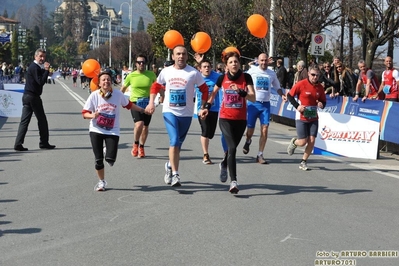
(232,131)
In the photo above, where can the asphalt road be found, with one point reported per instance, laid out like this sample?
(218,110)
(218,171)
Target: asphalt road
(50,214)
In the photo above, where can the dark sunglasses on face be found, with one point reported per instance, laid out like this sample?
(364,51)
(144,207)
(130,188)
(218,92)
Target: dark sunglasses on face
(314,75)
(140,62)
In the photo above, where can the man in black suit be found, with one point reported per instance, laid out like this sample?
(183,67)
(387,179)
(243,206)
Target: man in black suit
(36,77)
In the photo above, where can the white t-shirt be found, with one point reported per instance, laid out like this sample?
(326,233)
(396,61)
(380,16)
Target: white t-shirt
(263,80)
(107,122)
(180,89)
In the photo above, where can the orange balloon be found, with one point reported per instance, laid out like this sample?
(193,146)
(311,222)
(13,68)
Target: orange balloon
(257,25)
(201,42)
(93,85)
(91,68)
(230,49)
(173,38)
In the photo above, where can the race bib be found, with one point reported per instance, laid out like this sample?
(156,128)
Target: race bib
(177,97)
(310,112)
(386,89)
(262,83)
(106,121)
(143,102)
(232,99)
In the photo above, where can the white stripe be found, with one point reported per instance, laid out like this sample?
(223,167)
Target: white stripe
(373,167)
(73,94)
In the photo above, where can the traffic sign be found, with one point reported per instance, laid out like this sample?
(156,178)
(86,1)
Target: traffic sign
(318,44)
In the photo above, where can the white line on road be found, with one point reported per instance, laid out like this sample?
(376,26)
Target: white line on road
(73,94)
(373,167)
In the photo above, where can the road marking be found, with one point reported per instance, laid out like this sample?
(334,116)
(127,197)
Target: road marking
(73,94)
(289,237)
(370,166)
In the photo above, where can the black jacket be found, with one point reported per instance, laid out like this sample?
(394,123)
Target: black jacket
(36,77)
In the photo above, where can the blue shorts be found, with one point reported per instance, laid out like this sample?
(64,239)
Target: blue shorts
(257,110)
(306,129)
(177,128)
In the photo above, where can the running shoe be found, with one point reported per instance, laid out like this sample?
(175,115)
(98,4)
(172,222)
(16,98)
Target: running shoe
(135,150)
(233,187)
(100,186)
(141,152)
(303,166)
(206,159)
(261,160)
(176,181)
(245,149)
(223,173)
(168,174)
(291,148)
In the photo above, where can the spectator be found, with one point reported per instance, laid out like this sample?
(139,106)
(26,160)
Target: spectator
(302,72)
(282,74)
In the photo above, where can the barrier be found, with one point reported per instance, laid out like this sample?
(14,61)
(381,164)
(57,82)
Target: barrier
(384,113)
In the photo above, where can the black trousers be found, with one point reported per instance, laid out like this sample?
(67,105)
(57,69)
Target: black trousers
(232,131)
(32,105)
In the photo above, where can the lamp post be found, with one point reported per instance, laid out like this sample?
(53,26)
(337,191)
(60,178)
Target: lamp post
(130,28)
(95,40)
(110,36)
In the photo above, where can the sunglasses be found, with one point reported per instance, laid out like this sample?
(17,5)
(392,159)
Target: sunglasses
(140,62)
(339,66)
(327,67)
(314,75)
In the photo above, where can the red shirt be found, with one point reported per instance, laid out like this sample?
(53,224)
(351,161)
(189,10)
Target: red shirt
(390,81)
(374,84)
(234,107)
(308,95)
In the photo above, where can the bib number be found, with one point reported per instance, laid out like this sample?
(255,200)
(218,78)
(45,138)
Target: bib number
(310,112)
(106,121)
(262,83)
(142,102)
(177,98)
(232,99)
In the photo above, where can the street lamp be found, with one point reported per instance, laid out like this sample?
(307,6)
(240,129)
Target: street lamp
(110,36)
(95,41)
(130,28)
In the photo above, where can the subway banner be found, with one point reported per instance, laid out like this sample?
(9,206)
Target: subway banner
(356,120)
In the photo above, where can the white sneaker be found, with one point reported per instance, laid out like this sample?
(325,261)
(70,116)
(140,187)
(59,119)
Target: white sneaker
(303,166)
(168,174)
(233,187)
(291,147)
(100,186)
(176,181)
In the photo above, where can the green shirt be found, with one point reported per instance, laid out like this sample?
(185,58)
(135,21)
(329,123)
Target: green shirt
(140,84)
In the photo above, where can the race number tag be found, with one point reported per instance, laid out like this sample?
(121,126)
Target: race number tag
(232,99)
(262,83)
(106,121)
(310,112)
(386,89)
(143,102)
(177,97)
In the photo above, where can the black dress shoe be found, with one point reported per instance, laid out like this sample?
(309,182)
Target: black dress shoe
(47,146)
(20,148)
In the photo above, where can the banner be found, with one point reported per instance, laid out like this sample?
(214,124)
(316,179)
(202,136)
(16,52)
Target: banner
(10,103)
(347,135)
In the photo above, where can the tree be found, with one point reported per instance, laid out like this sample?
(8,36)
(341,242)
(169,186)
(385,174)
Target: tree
(5,13)
(140,25)
(379,22)
(299,19)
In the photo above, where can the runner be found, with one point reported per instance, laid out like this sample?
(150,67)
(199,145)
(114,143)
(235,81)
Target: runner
(237,88)
(103,108)
(311,96)
(208,125)
(178,106)
(140,82)
(264,79)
